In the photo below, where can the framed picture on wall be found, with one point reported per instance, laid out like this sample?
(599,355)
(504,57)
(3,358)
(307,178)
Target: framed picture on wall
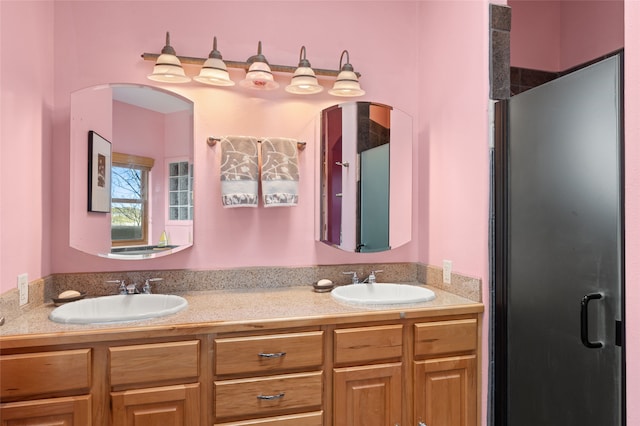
(99,174)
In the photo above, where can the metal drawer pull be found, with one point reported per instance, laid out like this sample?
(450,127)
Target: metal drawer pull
(272,355)
(271,397)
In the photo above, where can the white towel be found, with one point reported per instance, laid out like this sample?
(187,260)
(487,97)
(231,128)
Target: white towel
(279,172)
(239,171)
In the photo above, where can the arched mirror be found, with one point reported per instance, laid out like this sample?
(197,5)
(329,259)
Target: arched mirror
(365,181)
(141,137)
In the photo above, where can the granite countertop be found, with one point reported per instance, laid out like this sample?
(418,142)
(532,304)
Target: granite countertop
(236,310)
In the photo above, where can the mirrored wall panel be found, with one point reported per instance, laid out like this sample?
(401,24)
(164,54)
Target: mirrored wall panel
(149,201)
(365,180)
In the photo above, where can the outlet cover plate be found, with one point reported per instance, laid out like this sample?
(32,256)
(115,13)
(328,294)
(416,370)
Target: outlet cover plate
(23,288)
(447,266)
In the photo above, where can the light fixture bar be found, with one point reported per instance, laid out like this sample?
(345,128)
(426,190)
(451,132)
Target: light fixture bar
(244,65)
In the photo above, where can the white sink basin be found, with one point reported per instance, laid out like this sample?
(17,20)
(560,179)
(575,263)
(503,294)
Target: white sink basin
(118,308)
(382,294)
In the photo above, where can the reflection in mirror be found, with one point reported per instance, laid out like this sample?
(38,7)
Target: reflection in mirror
(151,132)
(365,177)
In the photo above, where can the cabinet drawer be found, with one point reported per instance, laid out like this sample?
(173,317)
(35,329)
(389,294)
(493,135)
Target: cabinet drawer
(274,352)
(306,419)
(264,396)
(45,373)
(442,337)
(367,344)
(156,362)
(70,410)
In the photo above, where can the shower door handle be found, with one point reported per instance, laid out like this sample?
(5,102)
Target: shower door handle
(584,321)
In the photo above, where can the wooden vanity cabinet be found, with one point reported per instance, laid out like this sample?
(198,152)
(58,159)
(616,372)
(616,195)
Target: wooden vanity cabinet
(396,371)
(445,373)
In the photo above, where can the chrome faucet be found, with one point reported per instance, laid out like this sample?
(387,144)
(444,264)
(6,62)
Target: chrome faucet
(146,288)
(371,279)
(354,277)
(132,289)
(122,289)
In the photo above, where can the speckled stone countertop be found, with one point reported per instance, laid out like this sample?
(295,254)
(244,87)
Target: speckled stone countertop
(234,310)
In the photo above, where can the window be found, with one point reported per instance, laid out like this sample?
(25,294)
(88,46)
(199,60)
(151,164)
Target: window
(180,191)
(129,199)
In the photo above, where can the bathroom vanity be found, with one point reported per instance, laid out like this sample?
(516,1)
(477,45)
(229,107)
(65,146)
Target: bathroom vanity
(271,357)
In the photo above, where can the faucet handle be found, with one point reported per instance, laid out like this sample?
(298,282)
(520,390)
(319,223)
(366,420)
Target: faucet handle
(122,289)
(146,288)
(372,276)
(354,276)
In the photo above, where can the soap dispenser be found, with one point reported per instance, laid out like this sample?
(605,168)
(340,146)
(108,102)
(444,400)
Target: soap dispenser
(164,241)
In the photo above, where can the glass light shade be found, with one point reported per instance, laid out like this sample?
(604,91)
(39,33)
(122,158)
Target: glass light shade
(168,69)
(304,82)
(346,85)
(214,72)
(259,77)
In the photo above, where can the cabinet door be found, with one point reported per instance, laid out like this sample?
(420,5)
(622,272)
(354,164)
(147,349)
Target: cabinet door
(445,391)
(167,406)
(71,411)
(368,396)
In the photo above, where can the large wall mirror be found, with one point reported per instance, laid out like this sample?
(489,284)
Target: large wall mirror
(366,176)
(148,135)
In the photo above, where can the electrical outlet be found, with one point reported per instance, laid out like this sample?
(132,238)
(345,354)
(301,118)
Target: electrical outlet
(23,288)
(447,266)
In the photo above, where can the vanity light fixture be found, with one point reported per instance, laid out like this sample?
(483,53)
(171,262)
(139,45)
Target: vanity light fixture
(214,71)
(259,75)
(168,68)
(346,83)
(304,80)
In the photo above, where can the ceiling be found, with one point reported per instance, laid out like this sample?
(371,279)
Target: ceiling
(151,98)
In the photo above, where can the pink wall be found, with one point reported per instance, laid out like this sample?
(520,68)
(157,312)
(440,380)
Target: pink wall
(454,146)
(454,130)
(93,110)
(238,237)
(535,30)
(26,106)
(632,206)
(558,35)
(138,131)
(589,30)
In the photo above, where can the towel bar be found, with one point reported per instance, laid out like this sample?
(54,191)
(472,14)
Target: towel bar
(211,141)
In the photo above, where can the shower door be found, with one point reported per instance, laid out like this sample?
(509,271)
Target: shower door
(374,199)
(559,252)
